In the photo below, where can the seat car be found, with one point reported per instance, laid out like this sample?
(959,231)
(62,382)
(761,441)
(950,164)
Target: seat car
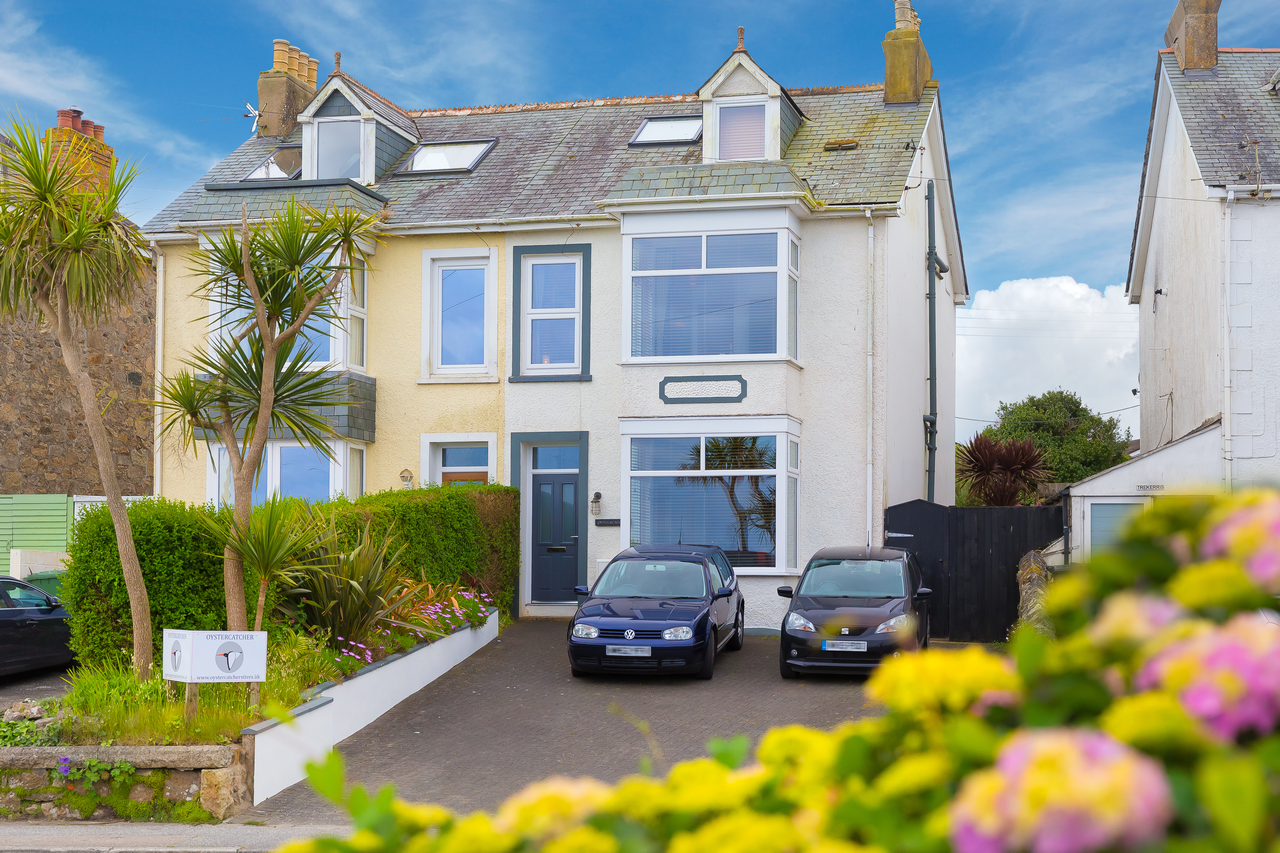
(853,607)
(658,608)
(33,628)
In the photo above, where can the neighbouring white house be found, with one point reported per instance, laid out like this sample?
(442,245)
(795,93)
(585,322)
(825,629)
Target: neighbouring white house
(1205,271)
(708,318)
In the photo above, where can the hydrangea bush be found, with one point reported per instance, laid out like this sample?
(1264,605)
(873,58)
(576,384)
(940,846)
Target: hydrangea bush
(1149,724)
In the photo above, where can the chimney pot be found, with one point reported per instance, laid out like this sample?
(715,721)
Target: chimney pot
(279,54)
(86,127)
(64,118)
(293,60)
(98,132)
(313,69)
(303,62)
(76,112)
(904,16)
(337,61)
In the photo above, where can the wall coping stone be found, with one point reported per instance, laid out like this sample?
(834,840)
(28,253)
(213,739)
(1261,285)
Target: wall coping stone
(198,757)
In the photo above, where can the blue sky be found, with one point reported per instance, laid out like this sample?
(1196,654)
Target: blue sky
(1046,103)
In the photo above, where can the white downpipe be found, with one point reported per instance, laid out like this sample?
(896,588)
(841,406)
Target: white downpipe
(1226,345)
(871,289)
(156,457)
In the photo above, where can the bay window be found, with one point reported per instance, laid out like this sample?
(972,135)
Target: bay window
(294,470)
(737,491)
(713,295)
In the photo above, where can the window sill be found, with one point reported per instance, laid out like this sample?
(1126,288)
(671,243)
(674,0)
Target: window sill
(460,379)
(553,377)
(712,359)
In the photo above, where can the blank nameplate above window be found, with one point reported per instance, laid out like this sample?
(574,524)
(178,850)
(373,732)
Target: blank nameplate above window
(284,164)
(668,130)
(441,157)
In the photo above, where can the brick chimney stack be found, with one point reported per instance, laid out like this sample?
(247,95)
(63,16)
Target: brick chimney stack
(1193,35)
(82,140)
(906,63)
(285,90)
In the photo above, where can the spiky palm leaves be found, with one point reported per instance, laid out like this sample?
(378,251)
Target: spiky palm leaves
(69,256)
(1000,473)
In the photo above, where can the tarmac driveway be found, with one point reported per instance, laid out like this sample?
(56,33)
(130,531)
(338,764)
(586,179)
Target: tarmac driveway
(511,714)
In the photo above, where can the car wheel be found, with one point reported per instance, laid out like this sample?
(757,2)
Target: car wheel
(784,668)
(709,659)
(739,632)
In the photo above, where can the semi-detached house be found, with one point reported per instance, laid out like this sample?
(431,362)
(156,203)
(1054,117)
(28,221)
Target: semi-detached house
(700,318)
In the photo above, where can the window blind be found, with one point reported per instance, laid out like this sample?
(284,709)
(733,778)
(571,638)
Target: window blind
(742,133)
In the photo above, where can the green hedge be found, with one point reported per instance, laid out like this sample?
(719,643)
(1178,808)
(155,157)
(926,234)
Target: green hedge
(450,533)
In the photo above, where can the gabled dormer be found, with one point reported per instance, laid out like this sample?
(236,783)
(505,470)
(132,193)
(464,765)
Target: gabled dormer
(348,132)
(746,114)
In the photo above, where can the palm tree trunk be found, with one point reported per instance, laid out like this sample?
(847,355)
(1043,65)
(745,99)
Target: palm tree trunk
(139,604)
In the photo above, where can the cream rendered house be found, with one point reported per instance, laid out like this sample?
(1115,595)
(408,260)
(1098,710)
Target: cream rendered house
(700,318)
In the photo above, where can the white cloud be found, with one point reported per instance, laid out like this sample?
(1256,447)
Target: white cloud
(35,69)
(1040,334)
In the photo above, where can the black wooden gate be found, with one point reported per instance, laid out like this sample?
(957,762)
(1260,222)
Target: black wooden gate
(970,559)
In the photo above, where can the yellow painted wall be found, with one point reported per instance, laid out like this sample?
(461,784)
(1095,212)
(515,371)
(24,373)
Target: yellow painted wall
(405,408)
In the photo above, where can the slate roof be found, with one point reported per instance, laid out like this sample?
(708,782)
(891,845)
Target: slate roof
(381,107)
(561,160)
(708,179)
(1225,113)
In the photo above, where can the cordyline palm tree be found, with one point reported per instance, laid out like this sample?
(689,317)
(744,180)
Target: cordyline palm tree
(753,510)
(69,258)
(1000,472)
(267,286)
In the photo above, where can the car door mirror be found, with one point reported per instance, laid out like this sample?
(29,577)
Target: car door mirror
(923,592)
(582,590)
(723,592)
(54,601)
(785,591)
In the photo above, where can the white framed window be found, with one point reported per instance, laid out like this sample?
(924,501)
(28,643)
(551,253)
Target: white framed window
(712,297)
(551,324)
(339,144)
(283,164)
(357,316)
(292,469)
(448,157)
(714,481)
(457,458)
(460,315)
(793,504)
(741,124)
(793,300)
(668,130)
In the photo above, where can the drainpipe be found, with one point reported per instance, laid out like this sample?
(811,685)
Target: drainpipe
(871,289)
(159,377)
(1226,345)
(931,420)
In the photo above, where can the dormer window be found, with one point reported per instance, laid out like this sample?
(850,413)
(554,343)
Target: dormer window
(741,130)
(284,164)
(668,130)
(448,157)
(338,148)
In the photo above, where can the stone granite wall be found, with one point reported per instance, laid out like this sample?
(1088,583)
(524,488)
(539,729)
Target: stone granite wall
(44,446)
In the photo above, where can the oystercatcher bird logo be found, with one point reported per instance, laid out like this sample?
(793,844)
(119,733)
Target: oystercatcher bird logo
(175,656)
(229,657)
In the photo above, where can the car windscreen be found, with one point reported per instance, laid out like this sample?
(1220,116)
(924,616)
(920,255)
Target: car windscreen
(653,579)
(854,579)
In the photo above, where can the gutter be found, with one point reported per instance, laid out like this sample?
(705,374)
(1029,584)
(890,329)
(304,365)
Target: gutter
(156,466)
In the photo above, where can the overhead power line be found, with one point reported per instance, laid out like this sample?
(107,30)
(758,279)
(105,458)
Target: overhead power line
(1054,420)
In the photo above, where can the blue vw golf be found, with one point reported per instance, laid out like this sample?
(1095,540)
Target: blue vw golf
(658,608)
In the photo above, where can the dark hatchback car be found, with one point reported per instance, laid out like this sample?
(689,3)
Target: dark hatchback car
(851,608)
(33,628)
(658,608)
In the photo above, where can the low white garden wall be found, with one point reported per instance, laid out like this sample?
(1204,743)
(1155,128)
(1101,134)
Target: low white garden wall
(281,751)
(24,561)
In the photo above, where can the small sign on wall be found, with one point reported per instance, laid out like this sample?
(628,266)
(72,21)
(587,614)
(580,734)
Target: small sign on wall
(204,657)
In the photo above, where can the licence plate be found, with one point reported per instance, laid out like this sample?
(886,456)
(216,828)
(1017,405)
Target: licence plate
(844,645)
(630,651)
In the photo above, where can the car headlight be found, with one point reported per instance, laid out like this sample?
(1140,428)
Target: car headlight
(897,623)
(586,632)
(798,623)
(684,632)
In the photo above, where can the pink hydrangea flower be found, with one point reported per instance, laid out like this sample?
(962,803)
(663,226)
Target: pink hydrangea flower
(1228,676)
(1250,535)
(1062,791)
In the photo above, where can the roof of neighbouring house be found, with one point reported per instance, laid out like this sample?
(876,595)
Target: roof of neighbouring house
(559,160)
(1232,121)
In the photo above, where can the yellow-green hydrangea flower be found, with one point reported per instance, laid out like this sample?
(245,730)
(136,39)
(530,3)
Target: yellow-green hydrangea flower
(942,680)
(551,806)
(1155,722)
(584,839)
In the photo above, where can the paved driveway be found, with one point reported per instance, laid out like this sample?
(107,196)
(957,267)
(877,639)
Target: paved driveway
(37,684)
(511,714)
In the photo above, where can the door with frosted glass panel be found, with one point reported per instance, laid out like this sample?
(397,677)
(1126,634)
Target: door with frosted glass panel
(555,538)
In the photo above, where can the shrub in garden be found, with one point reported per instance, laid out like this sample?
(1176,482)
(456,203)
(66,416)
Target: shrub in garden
(1149,723)
(181,564)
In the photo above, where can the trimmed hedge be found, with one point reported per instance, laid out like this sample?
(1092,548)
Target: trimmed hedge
(450,533)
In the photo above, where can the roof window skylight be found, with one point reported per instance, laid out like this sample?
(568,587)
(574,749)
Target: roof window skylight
(284,164)
(445,157)
(661,130)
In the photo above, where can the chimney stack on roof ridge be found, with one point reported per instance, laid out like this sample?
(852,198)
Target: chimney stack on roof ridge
(285,89)
(906,63)
(82,140)
(1193,35)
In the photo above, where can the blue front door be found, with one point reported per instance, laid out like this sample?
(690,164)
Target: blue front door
(555,538)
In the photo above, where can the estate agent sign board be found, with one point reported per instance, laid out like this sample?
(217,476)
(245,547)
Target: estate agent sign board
(204,657)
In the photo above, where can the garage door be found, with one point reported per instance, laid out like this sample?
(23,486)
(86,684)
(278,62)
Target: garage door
(1106,521)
